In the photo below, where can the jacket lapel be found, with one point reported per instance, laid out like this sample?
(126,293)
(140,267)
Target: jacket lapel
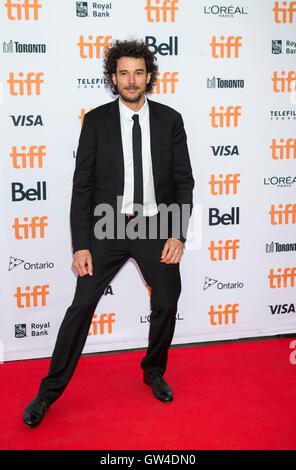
(116,142)
(155,127)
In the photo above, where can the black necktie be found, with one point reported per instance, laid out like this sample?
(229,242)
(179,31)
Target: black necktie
(137,154)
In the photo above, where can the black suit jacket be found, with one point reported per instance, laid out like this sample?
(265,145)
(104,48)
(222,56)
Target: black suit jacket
(99,172)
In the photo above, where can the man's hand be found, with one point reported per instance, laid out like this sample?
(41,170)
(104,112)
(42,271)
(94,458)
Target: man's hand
(172,251)
(82,262)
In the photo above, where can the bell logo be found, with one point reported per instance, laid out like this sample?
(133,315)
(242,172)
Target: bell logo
(92,48)
(284,83)
(284,14)
(24,86)
(282,215)
(28,159)
(168,78)
(35,298)
(23,9)
(283,150)
(224,184)
(226,47)
(225,118)
(160,11)
(106,319)
(285,279)
(28,229)
(230,310)
(223,252)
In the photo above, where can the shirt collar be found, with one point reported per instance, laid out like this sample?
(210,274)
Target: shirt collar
(127,113)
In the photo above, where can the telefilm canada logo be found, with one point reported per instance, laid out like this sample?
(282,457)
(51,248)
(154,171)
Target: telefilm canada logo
(282,114)
(91,82)
(94,9)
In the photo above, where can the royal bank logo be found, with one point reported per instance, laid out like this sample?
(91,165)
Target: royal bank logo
(81,9)
(210,282)
(277,47)
(20,330)
(217,82)
(33,330)
(93,9)
(23,48)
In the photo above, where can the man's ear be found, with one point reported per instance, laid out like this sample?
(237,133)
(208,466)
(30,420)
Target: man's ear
(148,78)
(114,78)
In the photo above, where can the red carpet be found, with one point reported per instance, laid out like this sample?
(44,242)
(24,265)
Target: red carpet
(233,396)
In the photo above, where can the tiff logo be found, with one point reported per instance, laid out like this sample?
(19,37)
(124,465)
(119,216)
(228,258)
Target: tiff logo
(23,9)
(230,310)
(28,159)
(161,11)
(35,298)
(223,184)
(225,118)
(283,215)
(224,252)
(279,280)
(284,13)
(106,319)
(28,229)
(24,86)
(228,47)
(93,48)
(284,150)
(284,83)
(167,83)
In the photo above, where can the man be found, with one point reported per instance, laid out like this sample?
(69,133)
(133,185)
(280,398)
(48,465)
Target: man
(135,150)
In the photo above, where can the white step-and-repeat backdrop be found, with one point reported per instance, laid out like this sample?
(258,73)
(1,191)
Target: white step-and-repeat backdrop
(229,68)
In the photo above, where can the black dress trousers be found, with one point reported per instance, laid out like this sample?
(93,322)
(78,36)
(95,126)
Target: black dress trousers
(165,283)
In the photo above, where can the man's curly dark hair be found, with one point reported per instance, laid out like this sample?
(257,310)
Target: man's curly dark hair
(134,49)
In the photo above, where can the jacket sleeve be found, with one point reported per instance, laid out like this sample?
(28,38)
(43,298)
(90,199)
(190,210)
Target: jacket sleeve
(183,178)
(83,185)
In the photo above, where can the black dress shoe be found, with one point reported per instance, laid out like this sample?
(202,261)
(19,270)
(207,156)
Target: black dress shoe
(34,412)
(161,390)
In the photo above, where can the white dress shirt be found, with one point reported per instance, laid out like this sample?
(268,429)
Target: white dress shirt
(126,123)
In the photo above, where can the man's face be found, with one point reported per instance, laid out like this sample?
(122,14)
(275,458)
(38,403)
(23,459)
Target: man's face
(131,78)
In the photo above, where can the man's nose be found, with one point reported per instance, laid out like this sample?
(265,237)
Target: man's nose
(131,78)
